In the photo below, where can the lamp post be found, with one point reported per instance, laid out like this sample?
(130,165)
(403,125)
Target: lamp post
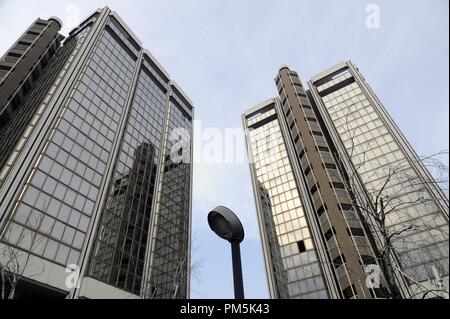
(227,225)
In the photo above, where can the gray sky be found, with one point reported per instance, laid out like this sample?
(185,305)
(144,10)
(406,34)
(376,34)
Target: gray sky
(225,54)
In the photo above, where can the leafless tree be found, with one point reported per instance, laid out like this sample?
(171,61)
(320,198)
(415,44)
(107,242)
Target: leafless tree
(181,265)
(183,270)
(397,187)
(16,260)
(180,272)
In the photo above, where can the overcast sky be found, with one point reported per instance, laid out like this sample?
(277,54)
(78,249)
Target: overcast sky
(225,55)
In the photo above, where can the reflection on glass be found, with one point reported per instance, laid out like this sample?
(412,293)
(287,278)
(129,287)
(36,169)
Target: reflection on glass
(376,153)
(170,267)
(120,249)
(280,274)
(292,252)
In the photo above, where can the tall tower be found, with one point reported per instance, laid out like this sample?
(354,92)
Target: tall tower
(339,148)
(24,62)
(84,181)
(23,68)
(337,234)
(383,165)
(292,257)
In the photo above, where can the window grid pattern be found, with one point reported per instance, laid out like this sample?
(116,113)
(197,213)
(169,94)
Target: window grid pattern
(274,174)
(121,244)
(170,267)
(336,80)
(374,152)
(15,133)
(30,40)
(58,201)
(341,194)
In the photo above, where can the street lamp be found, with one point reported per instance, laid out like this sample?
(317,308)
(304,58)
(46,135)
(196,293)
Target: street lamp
(227,225)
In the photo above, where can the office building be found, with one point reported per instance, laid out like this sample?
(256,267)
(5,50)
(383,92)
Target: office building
(309,209)
(384,165)
(86,165)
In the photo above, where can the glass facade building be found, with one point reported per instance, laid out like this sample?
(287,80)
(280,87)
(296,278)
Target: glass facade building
(84,182)
(306,149)
(294,267)
(372,146)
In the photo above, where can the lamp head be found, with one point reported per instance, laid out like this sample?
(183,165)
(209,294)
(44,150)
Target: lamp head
(226,224)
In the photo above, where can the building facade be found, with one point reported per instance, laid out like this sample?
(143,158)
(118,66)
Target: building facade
(291,135)
(87,165)
(291,256)
(384,165)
